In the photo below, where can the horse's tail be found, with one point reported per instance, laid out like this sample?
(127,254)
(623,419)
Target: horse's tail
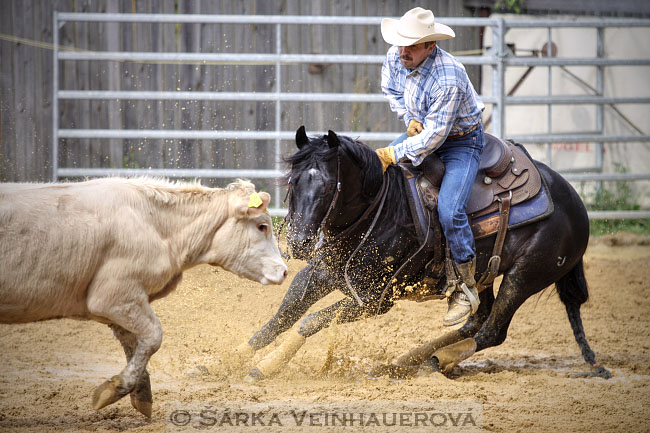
(573,289)
(574,292)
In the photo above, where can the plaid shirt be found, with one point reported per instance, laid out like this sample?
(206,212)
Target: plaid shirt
(437,94)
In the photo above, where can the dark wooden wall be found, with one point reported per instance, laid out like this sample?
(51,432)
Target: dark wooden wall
(26,77)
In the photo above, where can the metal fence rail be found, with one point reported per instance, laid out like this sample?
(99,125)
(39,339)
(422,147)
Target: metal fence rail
(497,57)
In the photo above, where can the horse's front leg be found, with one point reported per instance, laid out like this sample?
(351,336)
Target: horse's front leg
(345,310)
(308,286)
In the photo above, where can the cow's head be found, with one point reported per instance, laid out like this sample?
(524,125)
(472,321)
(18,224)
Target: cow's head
(245,244)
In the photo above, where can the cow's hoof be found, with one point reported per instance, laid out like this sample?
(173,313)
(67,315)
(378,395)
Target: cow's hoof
(141,398)
(254,376)
(142,406)
(108,392)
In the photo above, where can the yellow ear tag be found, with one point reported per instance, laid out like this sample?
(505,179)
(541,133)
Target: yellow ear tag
(255,200)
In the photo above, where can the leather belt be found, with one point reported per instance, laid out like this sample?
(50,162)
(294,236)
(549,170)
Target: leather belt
(464,133)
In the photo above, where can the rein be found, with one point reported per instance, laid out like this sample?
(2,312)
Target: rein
(379,200)
(336,193)
(393,277)
(382,193)
(377,203)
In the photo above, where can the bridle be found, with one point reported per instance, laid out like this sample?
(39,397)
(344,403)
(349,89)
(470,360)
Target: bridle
(377,203)
(337,191)
(323,222)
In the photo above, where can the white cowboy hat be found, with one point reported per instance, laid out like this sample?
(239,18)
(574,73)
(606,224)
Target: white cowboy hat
(415,26)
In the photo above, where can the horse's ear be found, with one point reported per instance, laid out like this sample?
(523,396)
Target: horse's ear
(301,137)
(333,139)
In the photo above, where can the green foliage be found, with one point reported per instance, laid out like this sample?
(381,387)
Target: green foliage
(616,196)
(611,227)
(129,160)
(276,223)
(509,5)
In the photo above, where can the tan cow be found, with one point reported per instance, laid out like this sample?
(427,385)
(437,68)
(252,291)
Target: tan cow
(104,249)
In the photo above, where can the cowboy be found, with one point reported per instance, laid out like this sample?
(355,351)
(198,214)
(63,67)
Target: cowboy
(430,91)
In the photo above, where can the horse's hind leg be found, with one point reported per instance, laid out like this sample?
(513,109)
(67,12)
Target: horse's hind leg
(141,397)
(513,291)
(517,286)
(409,363)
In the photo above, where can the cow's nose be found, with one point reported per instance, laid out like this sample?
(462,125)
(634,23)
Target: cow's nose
(285,273)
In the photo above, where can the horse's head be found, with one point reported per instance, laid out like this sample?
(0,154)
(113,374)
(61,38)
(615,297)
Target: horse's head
(330,180)
(312,180)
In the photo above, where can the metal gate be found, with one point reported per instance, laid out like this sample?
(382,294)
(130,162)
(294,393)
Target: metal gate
(496,57)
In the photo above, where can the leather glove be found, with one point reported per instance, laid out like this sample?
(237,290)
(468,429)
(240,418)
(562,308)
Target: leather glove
(386,156)
(414,128)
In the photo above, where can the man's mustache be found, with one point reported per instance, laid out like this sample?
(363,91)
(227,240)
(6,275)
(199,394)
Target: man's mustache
(406,57)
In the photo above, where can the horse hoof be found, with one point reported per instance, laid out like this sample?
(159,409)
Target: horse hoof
(602,372)
(254,376)
(239,357)
(430,366)
(450,356)
(142,406)
(107,393)
(596,371)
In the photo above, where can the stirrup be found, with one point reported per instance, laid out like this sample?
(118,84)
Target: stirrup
(472,296)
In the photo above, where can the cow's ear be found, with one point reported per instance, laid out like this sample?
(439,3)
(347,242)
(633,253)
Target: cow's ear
(258,203)
(301,137)
(333,139)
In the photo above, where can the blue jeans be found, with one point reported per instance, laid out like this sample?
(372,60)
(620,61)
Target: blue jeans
(461,158)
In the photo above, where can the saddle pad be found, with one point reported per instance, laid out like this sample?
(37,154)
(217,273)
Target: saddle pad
(530,211)
(534,209)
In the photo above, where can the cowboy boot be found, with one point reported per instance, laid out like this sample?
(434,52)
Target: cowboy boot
(464,300)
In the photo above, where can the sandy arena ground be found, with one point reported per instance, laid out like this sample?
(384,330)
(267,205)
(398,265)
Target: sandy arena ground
(48,370)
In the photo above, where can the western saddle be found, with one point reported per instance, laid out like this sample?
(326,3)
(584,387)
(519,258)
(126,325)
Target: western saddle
(506,176)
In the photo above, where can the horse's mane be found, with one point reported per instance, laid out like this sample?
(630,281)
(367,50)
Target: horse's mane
(317,152)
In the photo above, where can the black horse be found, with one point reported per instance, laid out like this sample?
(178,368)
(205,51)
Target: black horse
(354,226)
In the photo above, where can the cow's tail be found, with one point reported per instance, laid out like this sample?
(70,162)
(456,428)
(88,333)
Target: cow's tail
(574,292)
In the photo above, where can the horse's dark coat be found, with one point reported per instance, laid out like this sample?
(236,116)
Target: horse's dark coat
(534,256)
